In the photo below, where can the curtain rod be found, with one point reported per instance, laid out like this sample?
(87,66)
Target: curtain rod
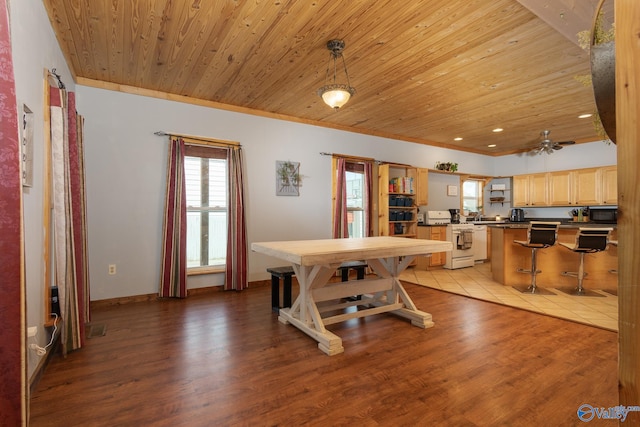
(346,156)
(196,139)
(57,76)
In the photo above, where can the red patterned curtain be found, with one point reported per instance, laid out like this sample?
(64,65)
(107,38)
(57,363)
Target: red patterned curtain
(173,278)
(340,211)
(236,266)
(69,217)
(12,354)
(368,197)
(340,220)
(174,249)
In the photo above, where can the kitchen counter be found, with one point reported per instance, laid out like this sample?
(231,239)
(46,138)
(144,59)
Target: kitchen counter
(563,225)
(507,257)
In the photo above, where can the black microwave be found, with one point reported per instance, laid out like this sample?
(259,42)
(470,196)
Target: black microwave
(603,215)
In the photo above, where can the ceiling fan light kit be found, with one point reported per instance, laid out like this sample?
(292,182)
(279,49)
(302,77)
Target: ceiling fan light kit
(547,145)
(335,94)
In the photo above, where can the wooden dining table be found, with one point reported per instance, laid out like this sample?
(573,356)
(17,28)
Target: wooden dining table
(322,302)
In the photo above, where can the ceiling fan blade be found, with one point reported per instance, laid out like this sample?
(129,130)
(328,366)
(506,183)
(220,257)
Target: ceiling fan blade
(557,147)
(565,142)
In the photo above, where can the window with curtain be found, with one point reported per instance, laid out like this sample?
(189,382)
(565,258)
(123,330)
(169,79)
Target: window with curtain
(354,180)
(351,197)
(207,206)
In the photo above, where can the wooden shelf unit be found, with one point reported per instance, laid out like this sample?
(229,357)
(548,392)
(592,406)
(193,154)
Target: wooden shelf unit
(397,199)
(503,201)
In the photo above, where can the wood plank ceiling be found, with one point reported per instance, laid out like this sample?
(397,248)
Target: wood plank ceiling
(425,72)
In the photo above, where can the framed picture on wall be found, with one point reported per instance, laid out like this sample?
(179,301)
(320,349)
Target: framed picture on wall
(452,190)
(287,178)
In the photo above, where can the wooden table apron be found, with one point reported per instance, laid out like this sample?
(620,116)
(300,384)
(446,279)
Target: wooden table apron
(316,261)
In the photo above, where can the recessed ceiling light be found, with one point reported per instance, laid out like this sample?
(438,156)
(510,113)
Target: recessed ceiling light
(491,145)
(457,138)
(498,130)
(584,116)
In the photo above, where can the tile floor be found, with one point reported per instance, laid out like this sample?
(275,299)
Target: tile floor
(476,282)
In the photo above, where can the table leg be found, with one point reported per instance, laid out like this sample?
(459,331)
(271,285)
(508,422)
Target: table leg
(393,267)
(388,296)
(304,313)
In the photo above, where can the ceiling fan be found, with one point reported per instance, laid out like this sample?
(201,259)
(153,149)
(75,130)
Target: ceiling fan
(547,145)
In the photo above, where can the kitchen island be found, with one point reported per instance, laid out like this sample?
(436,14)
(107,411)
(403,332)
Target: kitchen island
(507,257)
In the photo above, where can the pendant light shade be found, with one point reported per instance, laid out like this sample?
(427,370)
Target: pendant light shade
(335,94)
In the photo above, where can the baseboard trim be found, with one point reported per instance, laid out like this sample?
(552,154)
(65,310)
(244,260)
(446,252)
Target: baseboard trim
(153,297)
(42,365)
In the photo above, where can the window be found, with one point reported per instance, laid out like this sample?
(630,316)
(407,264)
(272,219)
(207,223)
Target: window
(351,216)
(472,195)
(206,186)
(355,200)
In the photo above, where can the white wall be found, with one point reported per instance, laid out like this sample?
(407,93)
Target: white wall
(34,50)
(570,157)
(125,167)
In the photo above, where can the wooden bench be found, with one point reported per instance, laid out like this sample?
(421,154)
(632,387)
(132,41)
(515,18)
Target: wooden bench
(286,273)
(278,273)
(358,266)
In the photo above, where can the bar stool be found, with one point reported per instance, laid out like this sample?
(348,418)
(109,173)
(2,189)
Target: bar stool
(540,235)
(588,241)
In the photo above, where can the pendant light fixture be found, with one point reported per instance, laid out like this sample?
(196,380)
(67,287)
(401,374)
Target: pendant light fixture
(335,94)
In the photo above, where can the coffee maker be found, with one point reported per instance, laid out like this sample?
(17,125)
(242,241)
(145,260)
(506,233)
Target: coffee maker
(455,216)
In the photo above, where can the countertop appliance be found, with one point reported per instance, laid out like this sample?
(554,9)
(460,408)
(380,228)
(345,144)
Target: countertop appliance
(603,215)
(461,235)
(455,216)
(517,215)
(437,218)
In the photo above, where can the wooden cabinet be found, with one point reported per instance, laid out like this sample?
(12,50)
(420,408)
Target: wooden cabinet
(520,190)
(530,190)
(538,189)
(422,190)
(434,232)
(609,177)
(579,187)
(438,233)
(587,186)
(560,188)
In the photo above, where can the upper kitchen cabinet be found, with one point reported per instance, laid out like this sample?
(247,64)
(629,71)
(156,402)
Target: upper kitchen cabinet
(520,190)
(530,190)
(588,188)
(560,188)
(609,185)
(422,195)
(581,187)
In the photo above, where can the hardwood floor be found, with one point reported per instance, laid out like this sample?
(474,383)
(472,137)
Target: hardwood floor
(223,359)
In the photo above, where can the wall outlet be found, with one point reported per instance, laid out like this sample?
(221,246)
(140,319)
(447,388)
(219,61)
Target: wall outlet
(32,331)
(112,269)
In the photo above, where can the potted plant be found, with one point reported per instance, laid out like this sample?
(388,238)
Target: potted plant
(447,166)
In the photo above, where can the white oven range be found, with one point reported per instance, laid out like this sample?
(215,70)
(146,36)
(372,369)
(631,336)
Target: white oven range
(461,235)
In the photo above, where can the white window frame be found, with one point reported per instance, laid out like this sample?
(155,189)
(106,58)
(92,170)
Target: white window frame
(206,208)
